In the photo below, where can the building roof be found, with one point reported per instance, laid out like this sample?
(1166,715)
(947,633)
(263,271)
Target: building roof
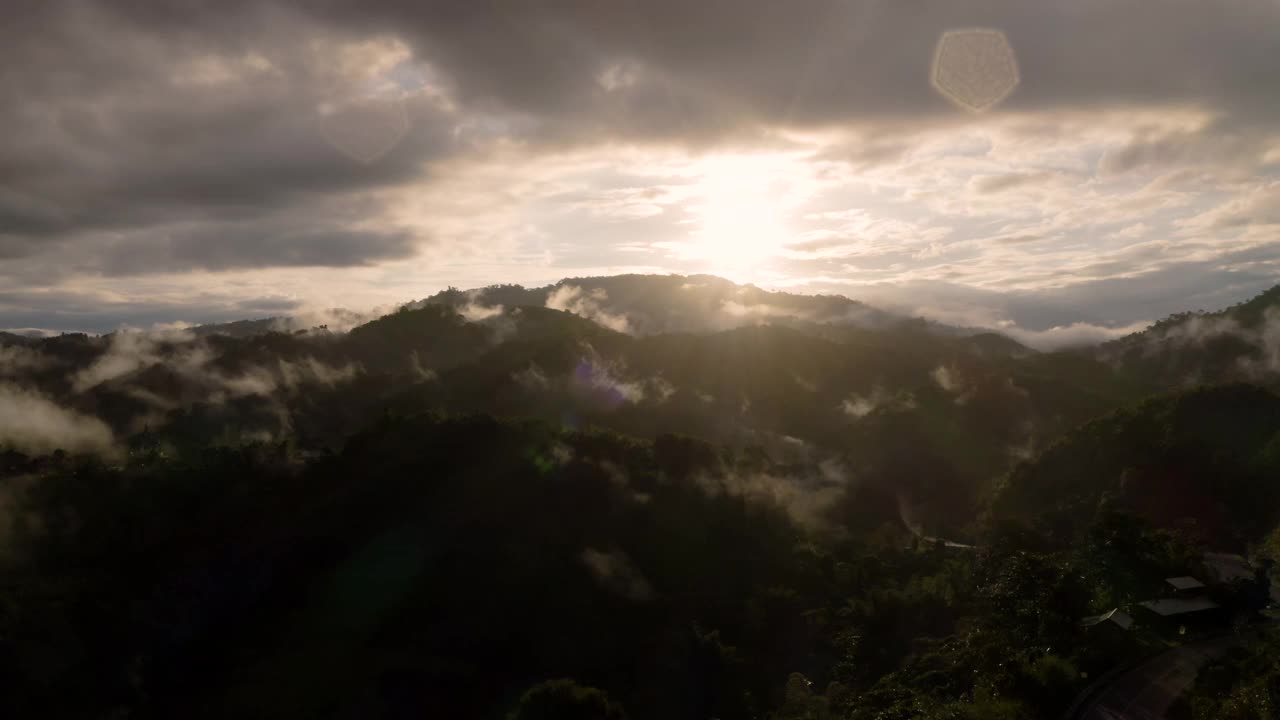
(951,544)
(1184,583)
(1167,607)
(1115,616)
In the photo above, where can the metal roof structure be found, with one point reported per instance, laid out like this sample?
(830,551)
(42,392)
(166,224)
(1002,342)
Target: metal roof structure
(1167,607)
(1115,616)
(1184,583)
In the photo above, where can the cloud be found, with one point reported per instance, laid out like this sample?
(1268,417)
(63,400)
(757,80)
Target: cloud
(132,350)
(531,378)
(859,406)
(310,371)
(333,319)
(34,424)
(501,325)
(954,381)
(409,139)
(725,64)
(806,496)
(990,184)
(91,310)
(805,383)
(1073,335)
(267,380)
(476,313)
(947,378)
(1267,339)
(762,307)
(227,246)
(154,151)
(659,389)
(571,298)
(1098,310)
(614,571)
(617,478)
(757,313)
(598,380)
(806,500)
(1261,206)
(1197,331)
(194,363)
(17,360)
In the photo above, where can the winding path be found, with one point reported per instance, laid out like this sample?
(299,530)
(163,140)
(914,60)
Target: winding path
(1147,691)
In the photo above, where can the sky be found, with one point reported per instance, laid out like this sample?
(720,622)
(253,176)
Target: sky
(1074,167)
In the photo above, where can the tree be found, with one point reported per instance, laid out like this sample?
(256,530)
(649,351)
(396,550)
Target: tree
(565,699)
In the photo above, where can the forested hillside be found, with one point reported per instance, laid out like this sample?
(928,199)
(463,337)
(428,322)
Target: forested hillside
(616,497)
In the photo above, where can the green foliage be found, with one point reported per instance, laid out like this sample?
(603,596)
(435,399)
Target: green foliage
(565,700)
(452,562)
(1243,685)
(1203,456)
(454,518)
(239,579)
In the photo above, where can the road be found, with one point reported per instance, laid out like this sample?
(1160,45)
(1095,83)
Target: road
(1147,691)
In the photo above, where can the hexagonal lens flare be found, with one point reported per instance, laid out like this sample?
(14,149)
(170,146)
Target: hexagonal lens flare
(974,68)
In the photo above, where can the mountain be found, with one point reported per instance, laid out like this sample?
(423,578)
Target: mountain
(244,328)
(908,407)
(658,496)
(653,304)
(935,414)
(1240,343)
(10,339)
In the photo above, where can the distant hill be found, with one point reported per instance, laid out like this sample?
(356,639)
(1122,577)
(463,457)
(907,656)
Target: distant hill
(935,413)
(1209,456)
(666,487)
(653,304)
(1240,343)
(637,304)
(243,328)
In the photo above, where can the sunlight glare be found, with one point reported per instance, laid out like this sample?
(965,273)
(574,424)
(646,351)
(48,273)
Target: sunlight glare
(740,213)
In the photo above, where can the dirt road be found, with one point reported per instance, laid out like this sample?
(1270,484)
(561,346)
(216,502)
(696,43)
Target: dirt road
(1147,691)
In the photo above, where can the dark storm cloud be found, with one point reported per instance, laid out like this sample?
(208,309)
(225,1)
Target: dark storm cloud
(104,133)
(219,247)
(200,150)
(713,64)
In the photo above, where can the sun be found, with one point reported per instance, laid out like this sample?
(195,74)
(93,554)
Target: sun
(739,214)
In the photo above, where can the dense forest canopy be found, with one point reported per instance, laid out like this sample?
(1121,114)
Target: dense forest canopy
(644,497)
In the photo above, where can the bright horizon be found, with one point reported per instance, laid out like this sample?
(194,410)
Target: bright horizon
(1057,166)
